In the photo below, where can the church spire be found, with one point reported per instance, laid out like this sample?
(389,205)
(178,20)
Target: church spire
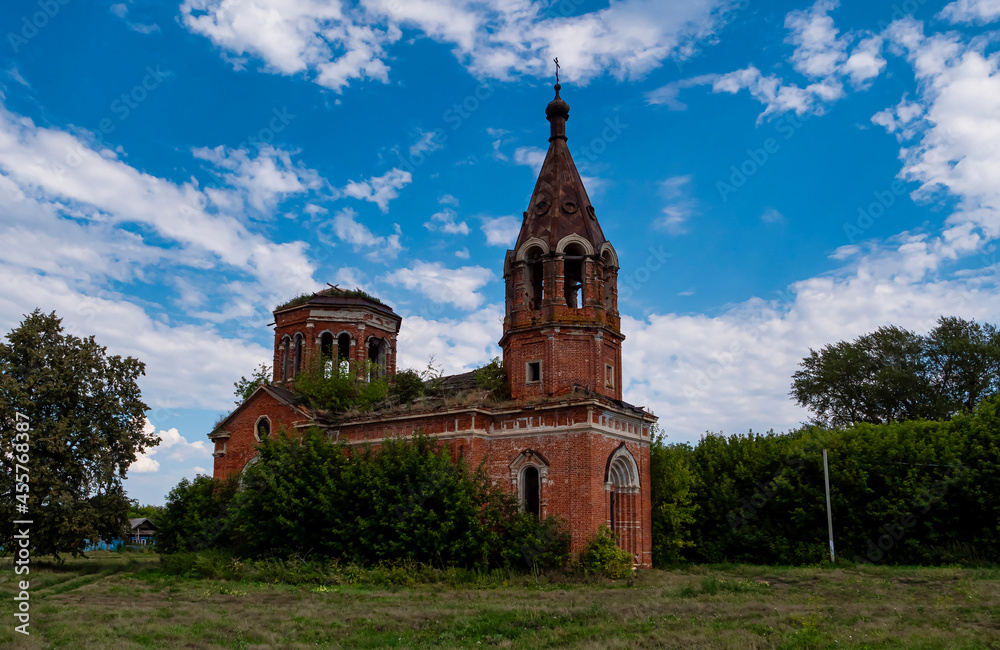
(559,205)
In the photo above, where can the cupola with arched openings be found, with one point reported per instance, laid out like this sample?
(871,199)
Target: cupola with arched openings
(334,328)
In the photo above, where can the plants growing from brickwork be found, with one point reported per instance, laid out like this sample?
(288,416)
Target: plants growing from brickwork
(403,501)
(493,379)
(340,387)
(406,386)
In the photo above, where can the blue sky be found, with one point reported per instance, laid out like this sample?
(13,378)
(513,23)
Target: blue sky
(774,176)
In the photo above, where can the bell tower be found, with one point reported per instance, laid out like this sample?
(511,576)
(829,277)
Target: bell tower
(562,330)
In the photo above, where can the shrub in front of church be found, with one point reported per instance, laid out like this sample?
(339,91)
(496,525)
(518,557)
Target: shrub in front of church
(404,501)
(602,556)
(195,516)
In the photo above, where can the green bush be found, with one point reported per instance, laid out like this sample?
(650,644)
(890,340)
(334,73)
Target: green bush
(493,378)
(913,492)
(403,501)
(196,515)
(602,556)
(406,386)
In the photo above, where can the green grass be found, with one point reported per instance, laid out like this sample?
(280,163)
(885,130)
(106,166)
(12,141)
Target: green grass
(129,601)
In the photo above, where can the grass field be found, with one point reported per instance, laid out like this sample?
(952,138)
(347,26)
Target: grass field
(126,601)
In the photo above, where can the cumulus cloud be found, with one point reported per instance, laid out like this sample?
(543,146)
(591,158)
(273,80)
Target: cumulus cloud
(456,344)
(457,287)
(349,229)
(978,12)
(822,55)
(501,231)
(379,189)
(447,221)
(170,443)
(262,180)
(336,44)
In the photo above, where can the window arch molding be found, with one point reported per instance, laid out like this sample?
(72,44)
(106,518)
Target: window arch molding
(264,421)
(286,347)
(241,483)
(519,467)
(621,471)
(574,238)
(528,245)
(608,253)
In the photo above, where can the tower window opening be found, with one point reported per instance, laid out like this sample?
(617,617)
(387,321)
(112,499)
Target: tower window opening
(344,347)
(608,266)
(298,353)
(326,353)
(285,358)
(534,371)
(573,275)
(535,279)
(531,491)
(376,356)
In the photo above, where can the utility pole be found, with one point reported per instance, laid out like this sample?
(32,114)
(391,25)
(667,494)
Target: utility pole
(829,513)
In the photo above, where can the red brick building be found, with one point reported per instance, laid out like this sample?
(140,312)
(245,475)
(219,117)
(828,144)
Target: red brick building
(565,443)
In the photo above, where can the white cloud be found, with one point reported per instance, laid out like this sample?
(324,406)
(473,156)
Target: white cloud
(745,357)
(295,36)
(457,345)
(335,44)
(426,142)
(978,12)
(530,156)
(501,231)
(445,221)
(349,229)
(458,287)
(379,189)
(771,215)
(822,55)
(263,180)
(170,440)
(462,254)
(680,205)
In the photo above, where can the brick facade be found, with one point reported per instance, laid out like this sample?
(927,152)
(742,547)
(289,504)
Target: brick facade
(566,443)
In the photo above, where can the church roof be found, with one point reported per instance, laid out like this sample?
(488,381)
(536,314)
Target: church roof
(559,204)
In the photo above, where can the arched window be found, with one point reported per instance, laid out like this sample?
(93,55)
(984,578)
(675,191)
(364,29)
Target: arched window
(344,347)
(534,282)
(298,353)
(573,265)
(376,355)
(528,473)
(532,490)
(285,358)
(621,480)
(263,428)
(609,266)
(326,353)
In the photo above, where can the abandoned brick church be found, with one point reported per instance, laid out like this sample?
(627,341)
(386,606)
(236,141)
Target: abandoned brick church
(565,443)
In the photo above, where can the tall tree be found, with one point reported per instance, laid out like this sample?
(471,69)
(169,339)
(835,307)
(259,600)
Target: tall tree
(83,415)
(893,374)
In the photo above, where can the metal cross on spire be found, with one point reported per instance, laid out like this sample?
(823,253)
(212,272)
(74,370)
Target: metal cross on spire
(556,60)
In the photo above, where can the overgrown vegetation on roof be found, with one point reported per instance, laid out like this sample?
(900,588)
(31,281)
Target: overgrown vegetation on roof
(335,292)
